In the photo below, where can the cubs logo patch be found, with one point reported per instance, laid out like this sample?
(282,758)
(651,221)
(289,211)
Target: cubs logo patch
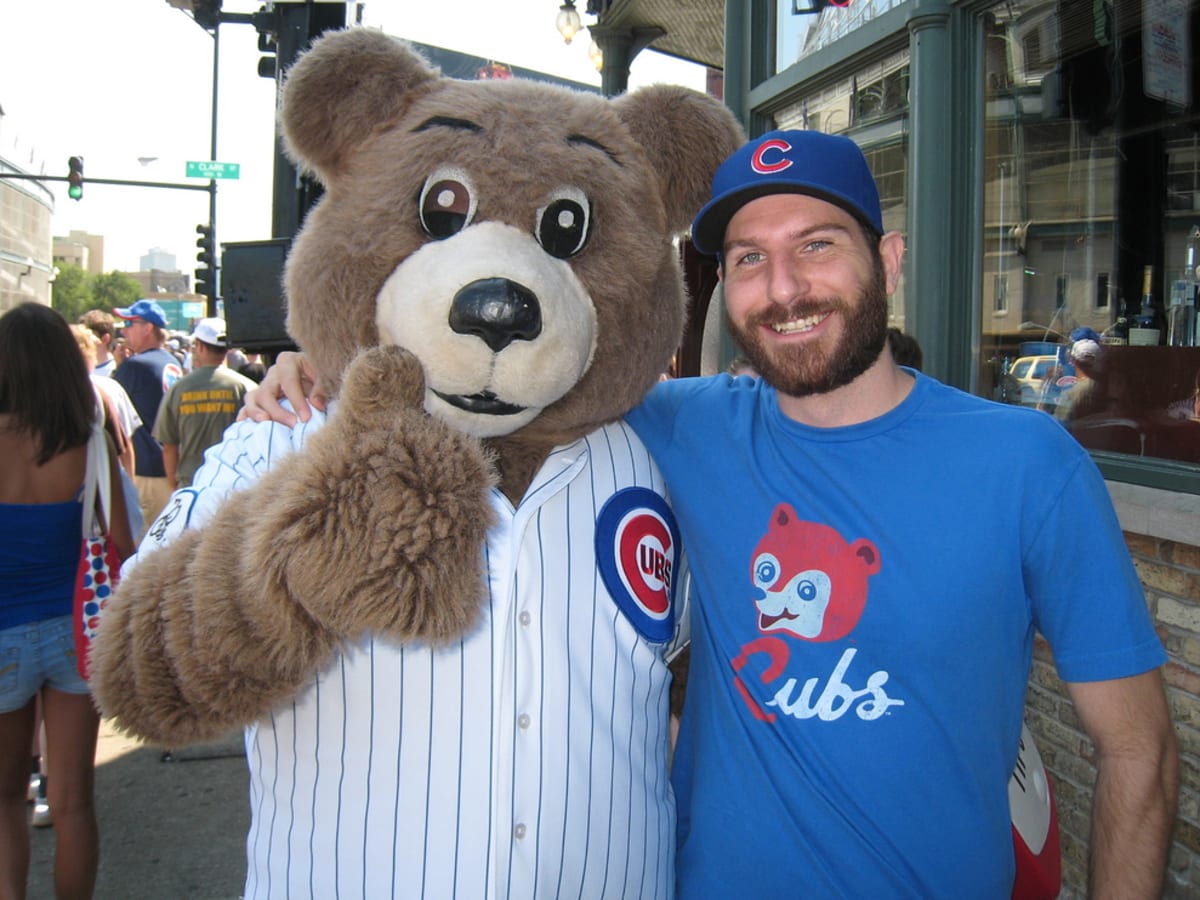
(770,157)
(637,551)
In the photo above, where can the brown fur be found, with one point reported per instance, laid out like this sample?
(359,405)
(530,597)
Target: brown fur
(231,619)
(366,530)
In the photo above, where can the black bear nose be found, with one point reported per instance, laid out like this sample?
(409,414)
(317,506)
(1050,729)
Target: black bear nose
(497,311)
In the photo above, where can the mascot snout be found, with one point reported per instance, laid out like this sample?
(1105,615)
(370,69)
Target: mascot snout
(498,311)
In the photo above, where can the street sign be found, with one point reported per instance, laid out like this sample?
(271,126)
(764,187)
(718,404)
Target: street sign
(204,169)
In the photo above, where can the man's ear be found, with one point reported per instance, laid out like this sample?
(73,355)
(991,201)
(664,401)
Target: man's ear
(891,251)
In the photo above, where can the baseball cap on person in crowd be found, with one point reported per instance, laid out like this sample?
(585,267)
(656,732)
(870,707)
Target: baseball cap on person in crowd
(143,309)
(827,166)
(210,331)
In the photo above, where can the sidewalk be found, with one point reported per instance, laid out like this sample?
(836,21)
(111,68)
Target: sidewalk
(168,830)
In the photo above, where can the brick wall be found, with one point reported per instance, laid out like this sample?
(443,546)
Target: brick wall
(1163,536)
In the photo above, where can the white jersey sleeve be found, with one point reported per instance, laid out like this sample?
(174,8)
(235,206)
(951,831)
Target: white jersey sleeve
(246,452)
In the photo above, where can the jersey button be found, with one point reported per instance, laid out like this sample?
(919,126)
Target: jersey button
(525,618)
(519,831)
(523,720)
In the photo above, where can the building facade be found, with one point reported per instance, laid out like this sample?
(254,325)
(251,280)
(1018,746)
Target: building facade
(79,248)
(157,258)
(26,259)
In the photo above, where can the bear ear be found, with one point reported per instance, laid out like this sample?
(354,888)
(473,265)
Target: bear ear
(868,553)
(686,136)
(341,90)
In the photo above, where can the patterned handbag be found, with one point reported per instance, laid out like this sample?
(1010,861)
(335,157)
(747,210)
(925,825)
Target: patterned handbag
(99,566)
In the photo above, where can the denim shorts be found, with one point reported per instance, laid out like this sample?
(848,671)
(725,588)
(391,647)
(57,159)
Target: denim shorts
(36,655)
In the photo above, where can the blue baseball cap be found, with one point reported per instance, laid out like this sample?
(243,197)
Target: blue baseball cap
(827,166)
(143,309)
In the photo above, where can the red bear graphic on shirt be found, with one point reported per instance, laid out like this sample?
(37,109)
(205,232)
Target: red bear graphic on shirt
(813,583)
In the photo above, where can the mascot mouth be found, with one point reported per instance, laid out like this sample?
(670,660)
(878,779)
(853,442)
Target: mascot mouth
(485,403)
(765,621)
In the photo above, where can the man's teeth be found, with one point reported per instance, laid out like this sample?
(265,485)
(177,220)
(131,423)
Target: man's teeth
(794,326)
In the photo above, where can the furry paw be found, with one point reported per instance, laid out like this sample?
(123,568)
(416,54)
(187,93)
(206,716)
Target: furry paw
(380,382)
(380,531)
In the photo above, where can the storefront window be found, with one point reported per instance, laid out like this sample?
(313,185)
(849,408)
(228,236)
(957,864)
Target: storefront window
(872,108)
(1092,221)
(805,26)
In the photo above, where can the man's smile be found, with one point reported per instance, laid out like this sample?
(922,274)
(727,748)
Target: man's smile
(800,324)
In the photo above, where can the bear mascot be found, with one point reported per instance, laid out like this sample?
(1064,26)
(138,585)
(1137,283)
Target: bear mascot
(441,611)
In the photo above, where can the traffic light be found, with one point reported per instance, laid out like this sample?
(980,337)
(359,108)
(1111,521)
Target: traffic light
(207,13)
(75,177)
(206,281)
(269,63)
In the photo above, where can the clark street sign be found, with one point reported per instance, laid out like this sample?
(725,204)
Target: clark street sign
(203,169)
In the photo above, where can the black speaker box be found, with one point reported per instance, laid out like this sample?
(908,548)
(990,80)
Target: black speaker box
(252,291)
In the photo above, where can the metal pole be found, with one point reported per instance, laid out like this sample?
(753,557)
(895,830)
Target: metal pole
(930,212)
(123,182)
(212,184)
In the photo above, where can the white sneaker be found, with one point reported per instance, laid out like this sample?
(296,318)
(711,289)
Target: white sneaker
(41,813)
(35,783)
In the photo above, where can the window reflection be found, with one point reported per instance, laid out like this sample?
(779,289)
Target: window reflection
(805,26)
(1092,220)
(870,106)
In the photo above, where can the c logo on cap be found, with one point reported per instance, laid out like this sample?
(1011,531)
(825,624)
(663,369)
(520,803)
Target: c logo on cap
(762,166)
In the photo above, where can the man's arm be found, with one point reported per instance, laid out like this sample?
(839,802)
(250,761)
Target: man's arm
(170,454)
(1137,781)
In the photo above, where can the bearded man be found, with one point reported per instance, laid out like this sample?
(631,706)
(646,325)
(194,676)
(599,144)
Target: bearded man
(871,553)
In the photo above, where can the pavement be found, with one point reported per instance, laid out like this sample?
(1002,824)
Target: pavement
(169,830)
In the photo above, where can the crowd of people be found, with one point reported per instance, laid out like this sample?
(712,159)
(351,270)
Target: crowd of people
(158,401)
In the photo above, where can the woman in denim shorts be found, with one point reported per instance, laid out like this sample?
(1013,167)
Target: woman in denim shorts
(47,408)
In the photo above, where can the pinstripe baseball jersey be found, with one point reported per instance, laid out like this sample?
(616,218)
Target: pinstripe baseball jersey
(528,760)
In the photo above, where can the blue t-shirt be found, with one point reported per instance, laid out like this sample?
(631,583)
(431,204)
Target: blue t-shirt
(864,604)
(146,378)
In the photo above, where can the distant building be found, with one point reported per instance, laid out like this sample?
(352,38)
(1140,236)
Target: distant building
(157,258)
(160,281)
(26,257)
(81,249)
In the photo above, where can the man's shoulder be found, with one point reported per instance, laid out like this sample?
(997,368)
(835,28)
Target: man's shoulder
(1020,432)
(152,361)
(702,392)
(132,365)
(193,379)
(657,416)
(943,398)
(696,389)
(232,377)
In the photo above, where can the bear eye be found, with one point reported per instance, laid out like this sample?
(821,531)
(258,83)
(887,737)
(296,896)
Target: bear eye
(766,570)
(812,585)
(447,204)
(563,224)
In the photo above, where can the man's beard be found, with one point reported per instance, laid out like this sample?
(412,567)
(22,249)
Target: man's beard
(812,369)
